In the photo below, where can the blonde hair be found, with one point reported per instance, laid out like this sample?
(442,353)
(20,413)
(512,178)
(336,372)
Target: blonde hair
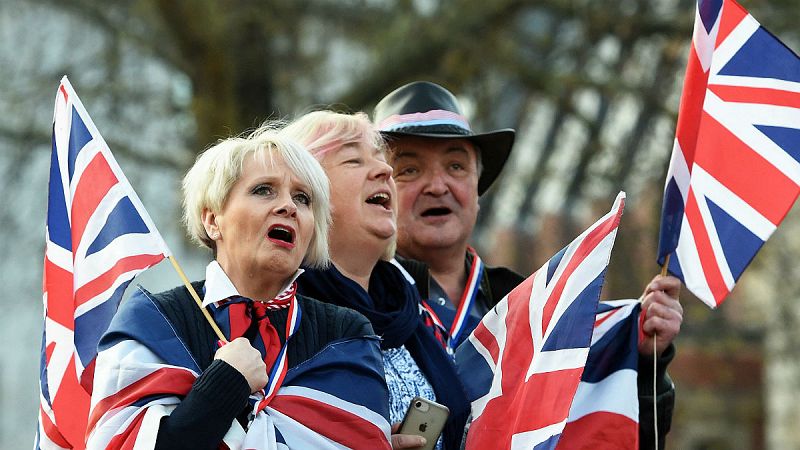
(325,131)
(208,183)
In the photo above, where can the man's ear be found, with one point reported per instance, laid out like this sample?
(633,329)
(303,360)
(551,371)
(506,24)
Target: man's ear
(210,224)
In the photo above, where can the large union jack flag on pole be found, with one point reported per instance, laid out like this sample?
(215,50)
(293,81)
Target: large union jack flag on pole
(98,237)
(521,366)
(735,164)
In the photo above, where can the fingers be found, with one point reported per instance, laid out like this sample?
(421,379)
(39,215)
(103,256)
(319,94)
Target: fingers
(407,441)
(241,355)
(668,284)
(663,314)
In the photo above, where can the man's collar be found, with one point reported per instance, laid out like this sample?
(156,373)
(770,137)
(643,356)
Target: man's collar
(219,287)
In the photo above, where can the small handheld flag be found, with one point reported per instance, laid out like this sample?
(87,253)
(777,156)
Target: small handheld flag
(735,167)
(521,366)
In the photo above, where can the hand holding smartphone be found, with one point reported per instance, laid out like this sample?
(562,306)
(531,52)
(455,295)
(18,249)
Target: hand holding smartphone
(424,418)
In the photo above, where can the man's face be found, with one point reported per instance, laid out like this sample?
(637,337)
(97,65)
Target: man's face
(437,186)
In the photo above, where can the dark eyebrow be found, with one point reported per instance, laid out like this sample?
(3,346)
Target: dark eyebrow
(457,149)
(403,154)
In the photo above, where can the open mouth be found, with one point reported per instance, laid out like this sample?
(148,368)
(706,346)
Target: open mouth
(281,233)
(380,199)
(434,212)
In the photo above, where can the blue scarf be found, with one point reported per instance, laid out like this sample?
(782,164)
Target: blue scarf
(392,305)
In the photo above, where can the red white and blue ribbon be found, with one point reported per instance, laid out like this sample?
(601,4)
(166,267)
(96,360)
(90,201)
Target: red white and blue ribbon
(467,298)
(281,365)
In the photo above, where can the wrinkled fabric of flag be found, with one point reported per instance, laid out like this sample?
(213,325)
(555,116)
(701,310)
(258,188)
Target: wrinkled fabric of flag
(605,412)
(98,237)
(523,363)
(735,166)
(337,399)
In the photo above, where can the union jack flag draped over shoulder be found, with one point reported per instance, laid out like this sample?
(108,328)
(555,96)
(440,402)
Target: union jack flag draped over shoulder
(98,237)
(522,364)
(337,399)
(735,164)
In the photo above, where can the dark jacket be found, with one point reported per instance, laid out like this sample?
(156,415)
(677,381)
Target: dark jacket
(499,281)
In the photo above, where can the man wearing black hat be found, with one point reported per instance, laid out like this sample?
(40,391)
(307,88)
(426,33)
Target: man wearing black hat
(441,167)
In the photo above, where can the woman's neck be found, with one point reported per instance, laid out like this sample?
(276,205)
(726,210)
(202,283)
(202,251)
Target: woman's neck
(259,290)
(358,271)
(356,262)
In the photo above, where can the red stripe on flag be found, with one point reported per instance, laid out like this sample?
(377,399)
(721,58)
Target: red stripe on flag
(48,351)
(50,429)
(691,107)
(94,184)
(762,186)
(732,16)
(64,91)
(338,425)
(601,431)
(60,303)
(121,441)
(71,407)
(547,391)
(705,252)
(608,315)
(743,94)
(487,339)
(100,284)
(165,381)
(586,246)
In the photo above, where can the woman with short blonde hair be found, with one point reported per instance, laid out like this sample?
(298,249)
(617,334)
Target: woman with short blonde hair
(261,203)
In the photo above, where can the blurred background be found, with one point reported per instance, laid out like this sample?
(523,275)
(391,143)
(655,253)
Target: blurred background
(592,86)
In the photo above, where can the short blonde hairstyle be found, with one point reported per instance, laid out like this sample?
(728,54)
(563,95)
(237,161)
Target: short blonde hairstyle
(208,183)
(325,131)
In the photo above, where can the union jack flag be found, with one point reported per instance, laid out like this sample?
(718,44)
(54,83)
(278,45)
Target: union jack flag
(98,237)
(735,163)
(337,399)
(605,411)
(521,366)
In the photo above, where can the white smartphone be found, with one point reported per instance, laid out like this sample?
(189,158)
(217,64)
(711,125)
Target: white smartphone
(425,418)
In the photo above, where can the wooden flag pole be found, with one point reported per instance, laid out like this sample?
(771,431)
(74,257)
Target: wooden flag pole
(655,365)
(197,300)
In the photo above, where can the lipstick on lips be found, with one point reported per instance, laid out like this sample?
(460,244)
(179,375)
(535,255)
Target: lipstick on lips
(281,235)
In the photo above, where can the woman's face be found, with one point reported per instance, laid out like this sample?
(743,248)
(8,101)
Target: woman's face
(362,196)
(266,223)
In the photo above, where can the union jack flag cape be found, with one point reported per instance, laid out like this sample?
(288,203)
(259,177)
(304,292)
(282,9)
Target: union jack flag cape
(337,399)
(735,164)
(98,237)
(605,412)
(522,364)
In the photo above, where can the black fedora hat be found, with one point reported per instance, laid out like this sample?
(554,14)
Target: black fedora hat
(426,109)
